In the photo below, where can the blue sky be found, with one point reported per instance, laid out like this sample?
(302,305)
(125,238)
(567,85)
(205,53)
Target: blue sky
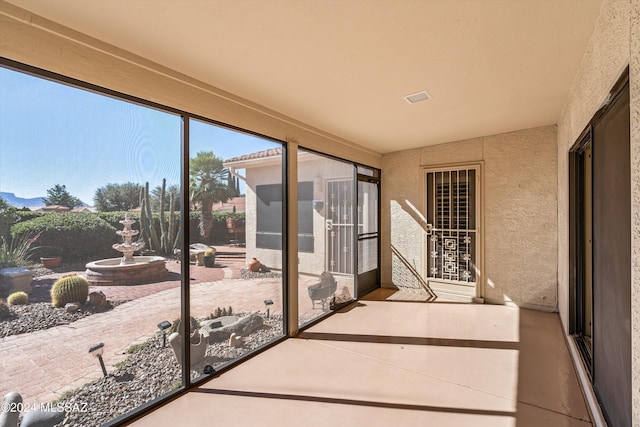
(55,134)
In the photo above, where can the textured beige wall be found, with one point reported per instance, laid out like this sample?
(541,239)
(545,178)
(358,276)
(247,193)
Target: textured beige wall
(634,73)
(312,168)
(33,40)
(605,59)
(615,43)
(520,213)
(521,218)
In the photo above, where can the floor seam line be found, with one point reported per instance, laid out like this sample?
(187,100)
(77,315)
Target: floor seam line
(553,411)
(415,372)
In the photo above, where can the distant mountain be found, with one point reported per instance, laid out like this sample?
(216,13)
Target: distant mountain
(20,202)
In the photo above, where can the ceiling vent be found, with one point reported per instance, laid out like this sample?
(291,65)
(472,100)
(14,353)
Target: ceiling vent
(417,97)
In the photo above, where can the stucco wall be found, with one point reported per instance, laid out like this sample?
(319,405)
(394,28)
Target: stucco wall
(605,59)
(520,214)
(259,176)
(615,43)
(634,73)
(312,168)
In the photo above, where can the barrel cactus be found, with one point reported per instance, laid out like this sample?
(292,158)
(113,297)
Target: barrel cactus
(71,288)
(17,298)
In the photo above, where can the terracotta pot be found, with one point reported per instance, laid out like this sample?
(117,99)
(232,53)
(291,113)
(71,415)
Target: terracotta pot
(254,265)
(51,262)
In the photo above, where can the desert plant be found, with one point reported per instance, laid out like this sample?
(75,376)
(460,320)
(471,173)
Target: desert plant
(175,327)
(18,251)
(219,312)
(170,234)
(18,298)
(208,184)
(70,288)
(4,310)
(137,347)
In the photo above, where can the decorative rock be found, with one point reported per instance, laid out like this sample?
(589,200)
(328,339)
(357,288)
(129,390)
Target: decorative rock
(236,340)
(97,299)
(243,327)
(16,279)
(4,311)
(10,414)
(199,341)
(42,418)
(218,322)
(72,307)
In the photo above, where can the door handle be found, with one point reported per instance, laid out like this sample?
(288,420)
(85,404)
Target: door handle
(429,229)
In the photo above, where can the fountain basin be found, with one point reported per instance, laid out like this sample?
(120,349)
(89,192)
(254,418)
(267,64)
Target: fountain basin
(109,272)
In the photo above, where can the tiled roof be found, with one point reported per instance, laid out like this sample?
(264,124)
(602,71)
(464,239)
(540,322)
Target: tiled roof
(272,152)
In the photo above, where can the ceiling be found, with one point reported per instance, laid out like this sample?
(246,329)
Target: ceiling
(344,66)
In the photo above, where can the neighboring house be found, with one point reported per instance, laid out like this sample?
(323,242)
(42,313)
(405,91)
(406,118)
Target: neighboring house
(54,208)
(84,209)
(325,210)
(236,204)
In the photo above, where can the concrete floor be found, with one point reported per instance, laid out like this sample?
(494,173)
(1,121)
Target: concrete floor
(381,363)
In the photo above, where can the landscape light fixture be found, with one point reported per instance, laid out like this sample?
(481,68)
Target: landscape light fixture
(268,303)
(164,327)
(97,351)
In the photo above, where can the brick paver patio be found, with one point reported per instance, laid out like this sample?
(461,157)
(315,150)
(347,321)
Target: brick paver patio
(44,364)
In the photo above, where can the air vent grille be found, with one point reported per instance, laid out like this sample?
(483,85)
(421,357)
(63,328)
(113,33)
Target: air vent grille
(417,97)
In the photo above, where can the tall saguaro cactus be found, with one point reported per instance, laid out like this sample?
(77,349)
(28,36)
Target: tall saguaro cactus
(169,237)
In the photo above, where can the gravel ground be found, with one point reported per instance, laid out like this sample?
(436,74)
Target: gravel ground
(246,274)
(149,372)
(42,315)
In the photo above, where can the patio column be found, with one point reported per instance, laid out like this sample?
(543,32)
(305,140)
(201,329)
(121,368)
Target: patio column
(291,218)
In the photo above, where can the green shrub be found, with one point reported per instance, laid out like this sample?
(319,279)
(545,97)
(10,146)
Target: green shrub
(8,217)
(71,288)
(81,236)
(114,218)
(18,298)
(28,215)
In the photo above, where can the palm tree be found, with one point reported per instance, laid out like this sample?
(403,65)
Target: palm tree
(208,184)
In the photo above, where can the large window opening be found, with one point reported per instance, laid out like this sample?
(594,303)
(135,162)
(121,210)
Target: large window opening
(326,271)
(236,286)
(168,232)
(153,216)
(93,182)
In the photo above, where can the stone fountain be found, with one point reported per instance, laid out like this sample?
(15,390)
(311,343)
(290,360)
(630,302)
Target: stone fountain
(127,247)
(130,269)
